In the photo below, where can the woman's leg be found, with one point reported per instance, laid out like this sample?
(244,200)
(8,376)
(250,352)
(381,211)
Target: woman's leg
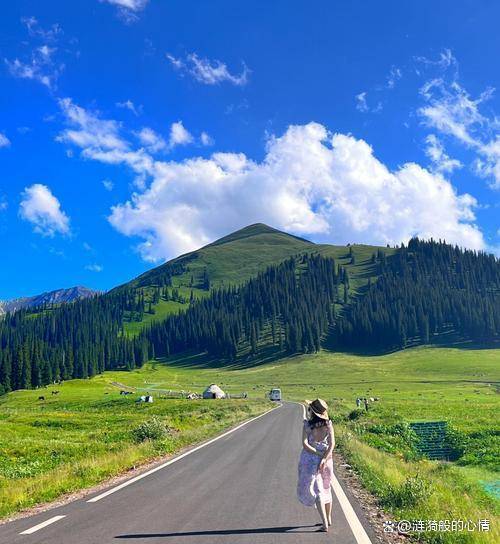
(328,512)
(321,509)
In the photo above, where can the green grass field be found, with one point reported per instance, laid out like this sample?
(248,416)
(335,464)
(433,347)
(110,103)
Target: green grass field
(83,435)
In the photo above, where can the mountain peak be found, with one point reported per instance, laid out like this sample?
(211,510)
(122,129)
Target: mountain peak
(256,229)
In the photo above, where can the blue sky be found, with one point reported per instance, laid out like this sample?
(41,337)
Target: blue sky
(135,130)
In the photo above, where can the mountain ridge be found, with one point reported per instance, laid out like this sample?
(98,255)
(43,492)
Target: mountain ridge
(56,296)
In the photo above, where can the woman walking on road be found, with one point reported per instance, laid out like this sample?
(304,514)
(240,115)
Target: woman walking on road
(315,464)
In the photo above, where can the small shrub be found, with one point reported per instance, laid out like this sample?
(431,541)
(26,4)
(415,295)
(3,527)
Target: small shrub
(153,429)
(457,442)
(411,492)
(354,414)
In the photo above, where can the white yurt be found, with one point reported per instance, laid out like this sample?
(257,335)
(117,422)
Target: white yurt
(213,391)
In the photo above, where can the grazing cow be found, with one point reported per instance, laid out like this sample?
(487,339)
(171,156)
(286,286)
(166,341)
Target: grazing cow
(41,398)
(55,392)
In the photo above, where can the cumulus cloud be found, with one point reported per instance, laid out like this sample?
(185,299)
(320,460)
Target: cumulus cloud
(4,141)
(151,140)
(103,139)
(179,135)
(88,130)
(310,183)
(209,72)
(43,210)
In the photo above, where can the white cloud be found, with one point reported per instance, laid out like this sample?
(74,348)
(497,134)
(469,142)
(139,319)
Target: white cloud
(206,139)
(41,208)
(3,203)
(445,61)
(209,72)
(36,31)
(108,184)
(361,104)
(450,110)
(154,142)
(102,139)
(436,152)
(94,267)
(309,183)
(40,65)
(133,5)
(151,140)
(4,141)
(88,131)
(87,247)
(394,76)
(128,10)
(179,135)
(129,105)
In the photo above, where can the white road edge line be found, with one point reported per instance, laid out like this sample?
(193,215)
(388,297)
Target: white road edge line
(175,459)
(41,525)
(350,515)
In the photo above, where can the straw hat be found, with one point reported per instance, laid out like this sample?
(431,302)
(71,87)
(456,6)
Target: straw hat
(319,408)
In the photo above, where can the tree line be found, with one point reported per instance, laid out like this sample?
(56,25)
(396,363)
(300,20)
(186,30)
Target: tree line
(426,289)
(76,340)
(294,300)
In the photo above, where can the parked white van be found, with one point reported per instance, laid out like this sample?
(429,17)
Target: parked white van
(275,394)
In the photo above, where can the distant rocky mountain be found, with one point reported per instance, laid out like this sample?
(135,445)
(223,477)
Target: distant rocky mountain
(51,297)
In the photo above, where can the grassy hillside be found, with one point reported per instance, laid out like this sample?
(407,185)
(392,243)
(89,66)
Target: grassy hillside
(234,259)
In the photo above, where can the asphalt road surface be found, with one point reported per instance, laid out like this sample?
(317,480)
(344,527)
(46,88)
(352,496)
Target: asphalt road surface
(239,488)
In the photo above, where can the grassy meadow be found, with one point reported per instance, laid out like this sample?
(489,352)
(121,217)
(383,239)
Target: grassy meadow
(85,434)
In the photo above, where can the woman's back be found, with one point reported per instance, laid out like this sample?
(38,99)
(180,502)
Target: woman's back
(317,433)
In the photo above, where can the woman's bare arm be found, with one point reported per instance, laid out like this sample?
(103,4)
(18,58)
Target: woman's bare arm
(331,444)
(305,442)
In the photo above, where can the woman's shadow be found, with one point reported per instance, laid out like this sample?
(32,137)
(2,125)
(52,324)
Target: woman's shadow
(260,530)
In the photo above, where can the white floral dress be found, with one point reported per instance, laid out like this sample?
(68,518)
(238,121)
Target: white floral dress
(312,482)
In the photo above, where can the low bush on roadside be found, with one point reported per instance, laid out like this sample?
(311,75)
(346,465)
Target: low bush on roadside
(413,491)
(152,429)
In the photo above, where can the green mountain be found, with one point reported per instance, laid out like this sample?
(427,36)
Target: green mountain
(260,293)
(233,260)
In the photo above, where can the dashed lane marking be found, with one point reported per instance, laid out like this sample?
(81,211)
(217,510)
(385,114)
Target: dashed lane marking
(41,525)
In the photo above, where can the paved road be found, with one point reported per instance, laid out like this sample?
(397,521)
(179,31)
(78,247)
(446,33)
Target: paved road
(238,489)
